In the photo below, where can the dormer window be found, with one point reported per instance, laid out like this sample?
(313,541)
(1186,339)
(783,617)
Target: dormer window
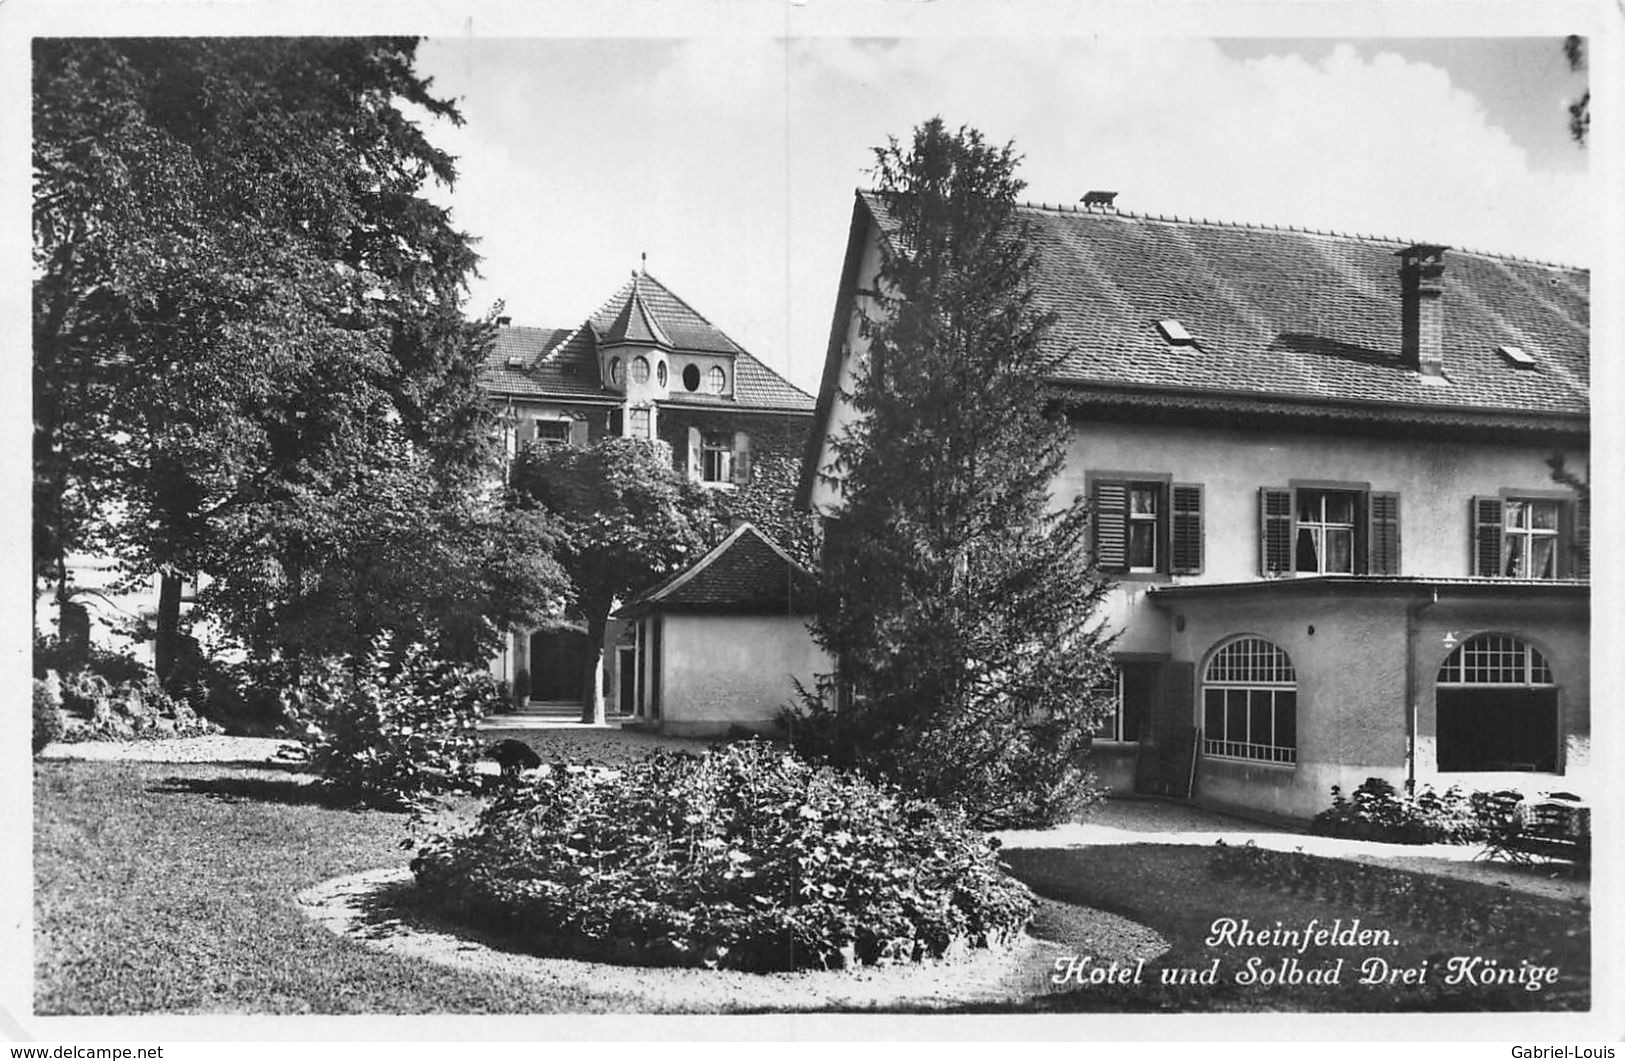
(717,380)
(615,371)
(640,370)
(1518,356)
(1175,333)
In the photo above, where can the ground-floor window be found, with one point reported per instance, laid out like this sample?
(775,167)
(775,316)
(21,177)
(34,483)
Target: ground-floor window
(1250,703)
(1496,707)
(1134,685)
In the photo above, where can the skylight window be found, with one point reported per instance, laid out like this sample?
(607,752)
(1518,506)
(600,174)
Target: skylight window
(1175,332)
(1517,355)
(516,361)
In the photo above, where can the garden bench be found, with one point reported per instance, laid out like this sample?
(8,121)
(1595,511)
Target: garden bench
(1556,828)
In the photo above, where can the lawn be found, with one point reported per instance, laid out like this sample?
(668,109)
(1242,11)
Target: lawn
(1171,889)
(166,888)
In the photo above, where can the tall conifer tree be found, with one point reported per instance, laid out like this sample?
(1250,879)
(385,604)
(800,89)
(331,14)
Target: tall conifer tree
(959,597)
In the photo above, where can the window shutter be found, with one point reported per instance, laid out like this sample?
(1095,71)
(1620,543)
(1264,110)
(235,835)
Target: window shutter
(1186,553)
(694,453)
(1111,525)
(1383,551)
(578,433)
(1575,559)
(1274,531)
(1487,516)
(741,458)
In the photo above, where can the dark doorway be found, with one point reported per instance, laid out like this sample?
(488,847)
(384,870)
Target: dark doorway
(557,660)
(629,680)
(1487,728)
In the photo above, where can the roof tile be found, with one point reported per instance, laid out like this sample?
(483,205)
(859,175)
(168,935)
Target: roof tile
(1296,315)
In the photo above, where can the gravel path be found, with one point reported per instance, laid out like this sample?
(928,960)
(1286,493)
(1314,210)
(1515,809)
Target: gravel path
(363,908)
(215,749)
(1139,821)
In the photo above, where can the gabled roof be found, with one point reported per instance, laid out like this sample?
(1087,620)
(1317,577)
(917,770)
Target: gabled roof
(1283,323)
(563,362)
(745,572)
(1284,314)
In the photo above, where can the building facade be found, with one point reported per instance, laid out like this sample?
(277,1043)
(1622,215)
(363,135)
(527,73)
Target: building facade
(1318,470)
(722,645)
(644,365)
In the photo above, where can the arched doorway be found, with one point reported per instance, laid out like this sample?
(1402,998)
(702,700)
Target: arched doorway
(1496,707)
(558,658)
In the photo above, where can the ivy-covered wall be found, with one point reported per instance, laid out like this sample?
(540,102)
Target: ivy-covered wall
(767,500)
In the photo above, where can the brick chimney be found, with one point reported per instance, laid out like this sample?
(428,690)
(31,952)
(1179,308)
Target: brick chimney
(1421,317)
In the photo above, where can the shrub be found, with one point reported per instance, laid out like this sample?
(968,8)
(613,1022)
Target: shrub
(396,725)
(97,709)
(47,712)
(1005,773)
(1378,811)
(745,858)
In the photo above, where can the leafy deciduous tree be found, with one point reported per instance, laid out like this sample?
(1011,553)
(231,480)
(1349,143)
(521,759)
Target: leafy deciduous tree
(626,519)
(251,360)
(958,598)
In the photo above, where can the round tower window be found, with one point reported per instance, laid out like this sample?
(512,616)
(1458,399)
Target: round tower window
(691,377)
(640,370)
(717,380)
(660,373)
(615,371)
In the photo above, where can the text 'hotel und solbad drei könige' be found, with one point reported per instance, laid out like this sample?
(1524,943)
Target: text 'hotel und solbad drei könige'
(1282,960)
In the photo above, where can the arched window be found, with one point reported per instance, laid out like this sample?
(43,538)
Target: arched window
(1496,707)
(1250,703)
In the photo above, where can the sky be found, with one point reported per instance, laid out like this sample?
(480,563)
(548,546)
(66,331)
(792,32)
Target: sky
(731,160)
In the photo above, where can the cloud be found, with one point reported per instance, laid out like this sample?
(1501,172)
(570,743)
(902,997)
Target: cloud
(732,160)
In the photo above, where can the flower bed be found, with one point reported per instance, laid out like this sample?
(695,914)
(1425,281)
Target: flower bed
(744,858)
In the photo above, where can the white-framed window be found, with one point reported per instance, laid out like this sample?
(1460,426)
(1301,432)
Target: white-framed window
(1145,525)
(1250,703)
(1517,535)
(640,370)
(660,372)
(638,424)
(716,380)
(1325,542)
(1495,659)
(1529,538)
(616,372)
(552,432)
(1144,505)
(1316,529)
(717,457)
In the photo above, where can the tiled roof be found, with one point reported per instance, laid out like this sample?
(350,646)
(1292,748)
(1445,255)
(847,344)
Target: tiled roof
(544,363)
(745,572)
(684,328)
(633,323)
(563,362)
(1288,314)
